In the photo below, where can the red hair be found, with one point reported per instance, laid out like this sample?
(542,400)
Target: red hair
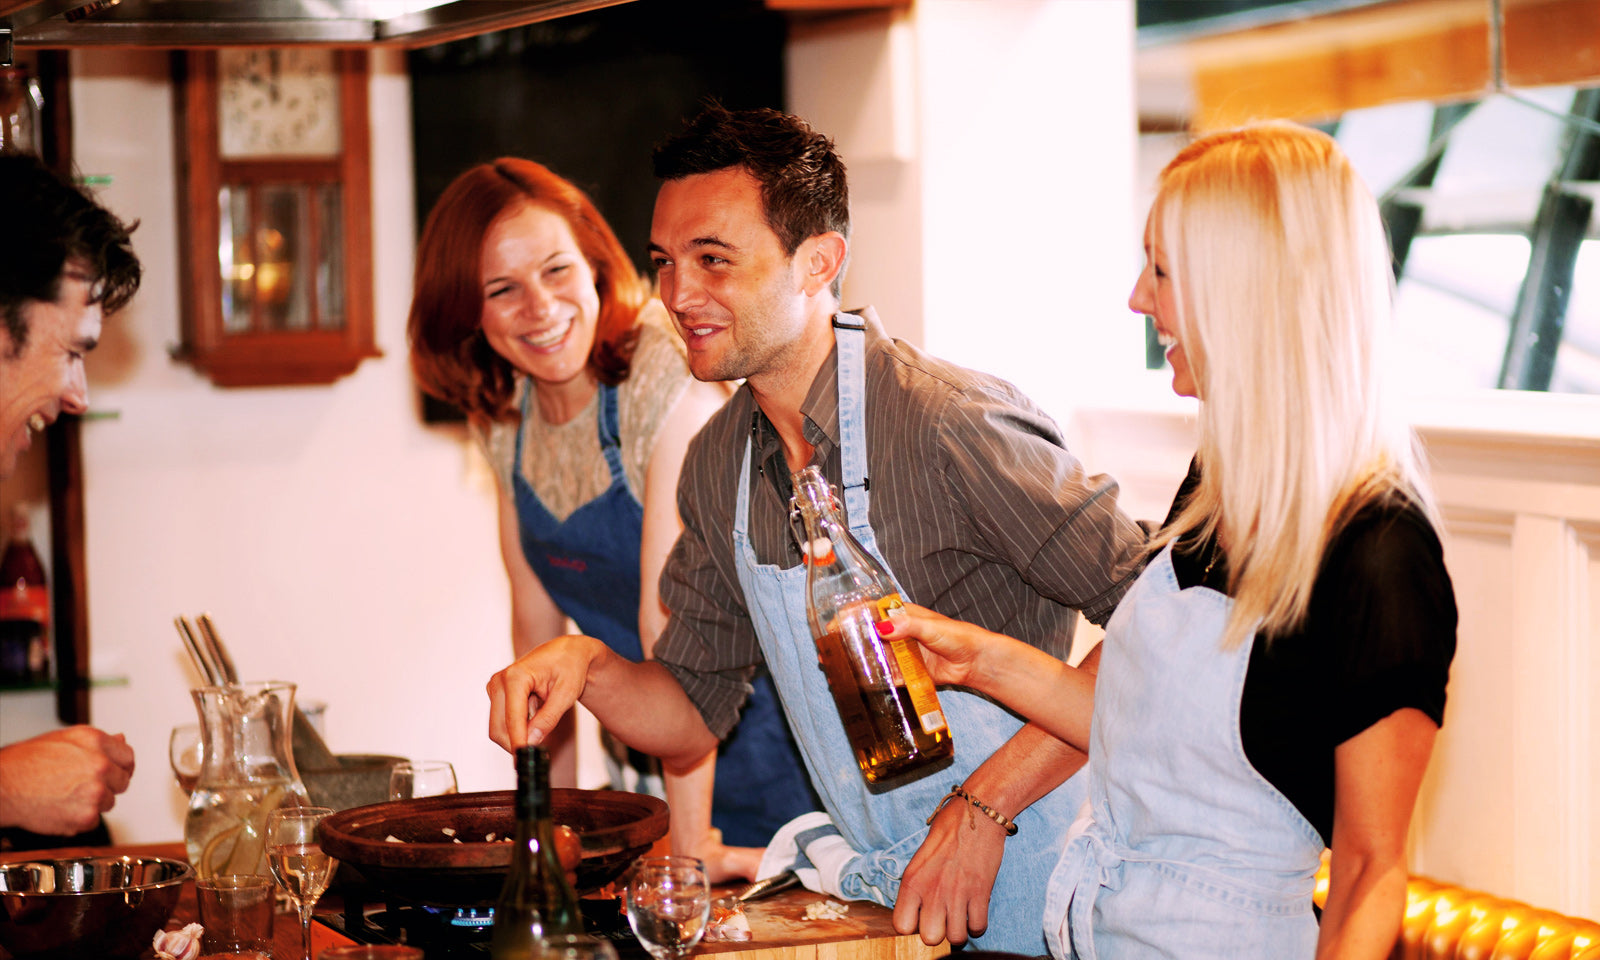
(450,357)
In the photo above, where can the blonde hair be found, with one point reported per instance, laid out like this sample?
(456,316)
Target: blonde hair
(1281,273)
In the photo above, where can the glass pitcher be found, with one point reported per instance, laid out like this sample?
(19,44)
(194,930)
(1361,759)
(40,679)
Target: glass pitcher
(247,773)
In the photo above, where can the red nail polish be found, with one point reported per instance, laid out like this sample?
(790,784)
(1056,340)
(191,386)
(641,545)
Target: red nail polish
(885,627)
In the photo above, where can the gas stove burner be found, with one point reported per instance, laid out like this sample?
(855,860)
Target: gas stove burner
(449,932)
(472,918)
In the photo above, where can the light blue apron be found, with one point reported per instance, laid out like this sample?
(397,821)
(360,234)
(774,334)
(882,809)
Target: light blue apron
(1190,852)
(887,827)
(589,564)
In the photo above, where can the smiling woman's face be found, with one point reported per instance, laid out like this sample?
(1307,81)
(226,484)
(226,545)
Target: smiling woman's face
(1154,296)
(540,305)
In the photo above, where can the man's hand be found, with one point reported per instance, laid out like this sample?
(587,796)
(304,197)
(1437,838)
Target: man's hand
(945,891)
(550,678)
(60,782)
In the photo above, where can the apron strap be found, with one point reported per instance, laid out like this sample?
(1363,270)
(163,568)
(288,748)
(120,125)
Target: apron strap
(610,433)
(851,337)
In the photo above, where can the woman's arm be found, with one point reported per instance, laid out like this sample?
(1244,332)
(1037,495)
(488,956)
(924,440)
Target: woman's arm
(1053,695)
(688,787)
(535,618)
(1377,774)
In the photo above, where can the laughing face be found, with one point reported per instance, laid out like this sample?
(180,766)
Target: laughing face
(44,377)
(1154,296)
(737,298)
(540,305)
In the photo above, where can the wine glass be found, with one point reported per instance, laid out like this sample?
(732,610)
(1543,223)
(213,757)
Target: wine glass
(421,778)
(186,753)
(669,904)
(294,853)
(573,946)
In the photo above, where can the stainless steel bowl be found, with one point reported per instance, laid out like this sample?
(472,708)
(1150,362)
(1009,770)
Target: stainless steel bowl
(87,907)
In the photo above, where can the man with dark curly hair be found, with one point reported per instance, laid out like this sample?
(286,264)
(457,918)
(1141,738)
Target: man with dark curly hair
(65,261)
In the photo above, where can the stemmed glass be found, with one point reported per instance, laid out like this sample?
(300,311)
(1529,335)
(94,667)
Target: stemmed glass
(573,946)
(294,853)
(186,753)
(421,778)
(669,904)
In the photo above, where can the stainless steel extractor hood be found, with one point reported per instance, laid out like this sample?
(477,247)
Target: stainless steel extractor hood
(215,23)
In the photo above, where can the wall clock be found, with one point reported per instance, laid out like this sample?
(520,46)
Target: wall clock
(275,197)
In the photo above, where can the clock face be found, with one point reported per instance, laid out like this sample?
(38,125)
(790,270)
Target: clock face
(277,103)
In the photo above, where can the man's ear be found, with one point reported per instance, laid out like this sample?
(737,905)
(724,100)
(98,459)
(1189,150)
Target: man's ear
(821,258)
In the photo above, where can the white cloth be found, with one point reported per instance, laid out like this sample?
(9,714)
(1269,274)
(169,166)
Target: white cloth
(812,847)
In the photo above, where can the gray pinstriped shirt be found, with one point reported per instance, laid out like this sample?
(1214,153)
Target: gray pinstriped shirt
(977,506)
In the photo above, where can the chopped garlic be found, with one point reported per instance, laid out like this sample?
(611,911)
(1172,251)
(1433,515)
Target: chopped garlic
(448,831)
(827,910)
(391,838)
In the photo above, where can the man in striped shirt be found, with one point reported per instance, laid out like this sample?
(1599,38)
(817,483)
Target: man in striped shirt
(975,505)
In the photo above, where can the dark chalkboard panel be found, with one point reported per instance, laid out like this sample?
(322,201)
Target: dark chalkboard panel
(589,95)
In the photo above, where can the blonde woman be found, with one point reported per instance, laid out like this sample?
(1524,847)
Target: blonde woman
(1273,683)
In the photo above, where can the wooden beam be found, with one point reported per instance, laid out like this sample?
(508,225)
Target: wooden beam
(1319,67)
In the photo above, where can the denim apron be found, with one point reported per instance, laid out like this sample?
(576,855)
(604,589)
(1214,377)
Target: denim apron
(589,564)
(886,827)
(1187,851)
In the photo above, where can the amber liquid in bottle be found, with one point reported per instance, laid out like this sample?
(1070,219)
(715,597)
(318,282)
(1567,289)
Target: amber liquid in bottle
(882,689)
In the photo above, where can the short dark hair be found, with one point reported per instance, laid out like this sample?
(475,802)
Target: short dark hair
(803,186)
(45,220)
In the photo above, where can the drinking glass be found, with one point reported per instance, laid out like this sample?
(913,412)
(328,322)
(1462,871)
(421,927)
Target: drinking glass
(573,946)
(421,778)
(186,753)
(669,903)
(294,853)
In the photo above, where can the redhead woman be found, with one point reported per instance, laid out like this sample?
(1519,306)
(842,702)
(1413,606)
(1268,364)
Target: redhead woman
(1273,682)
(528,315)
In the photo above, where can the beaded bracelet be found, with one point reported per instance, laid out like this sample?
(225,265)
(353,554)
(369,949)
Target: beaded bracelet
(988,811)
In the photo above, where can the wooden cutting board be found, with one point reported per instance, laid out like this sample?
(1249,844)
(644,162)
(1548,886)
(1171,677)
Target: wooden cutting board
(782,933)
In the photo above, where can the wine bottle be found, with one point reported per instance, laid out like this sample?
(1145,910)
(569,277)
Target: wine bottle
(24,608)
(882,688)
(536,901)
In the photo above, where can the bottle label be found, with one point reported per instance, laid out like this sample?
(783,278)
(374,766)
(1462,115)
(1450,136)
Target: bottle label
(25,601)
(919,685)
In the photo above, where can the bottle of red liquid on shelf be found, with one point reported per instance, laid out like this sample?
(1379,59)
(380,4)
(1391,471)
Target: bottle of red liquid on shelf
(24,608)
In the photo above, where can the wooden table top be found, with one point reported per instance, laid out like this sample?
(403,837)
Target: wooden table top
(778,923)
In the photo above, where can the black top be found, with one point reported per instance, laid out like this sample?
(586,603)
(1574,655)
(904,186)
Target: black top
(1378,636)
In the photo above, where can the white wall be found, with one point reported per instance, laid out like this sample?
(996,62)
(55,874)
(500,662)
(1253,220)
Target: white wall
(337,541)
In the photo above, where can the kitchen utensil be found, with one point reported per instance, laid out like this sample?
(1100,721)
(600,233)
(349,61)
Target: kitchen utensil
(668,902)
(87,908)
(201,657)
(767,886)
(219,653)
(424,865)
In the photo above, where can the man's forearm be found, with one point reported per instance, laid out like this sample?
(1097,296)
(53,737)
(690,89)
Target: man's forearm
(644,706)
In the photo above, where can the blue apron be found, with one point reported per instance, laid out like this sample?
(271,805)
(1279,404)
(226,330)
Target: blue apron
(1188,851)
(589,564)
(886,827)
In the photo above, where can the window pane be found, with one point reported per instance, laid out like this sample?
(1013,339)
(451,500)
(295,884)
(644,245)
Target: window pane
(1453,307)
(234,256)
(282,245)
(1578,358)
(330,258)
